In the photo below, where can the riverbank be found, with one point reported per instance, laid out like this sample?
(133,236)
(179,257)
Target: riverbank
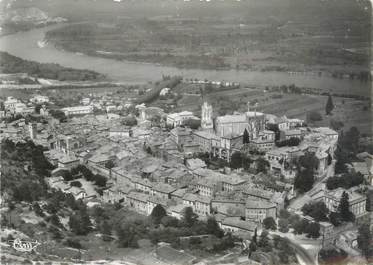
(10,64)
(24,45)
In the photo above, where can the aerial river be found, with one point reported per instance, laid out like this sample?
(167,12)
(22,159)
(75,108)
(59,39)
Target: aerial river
(25,45)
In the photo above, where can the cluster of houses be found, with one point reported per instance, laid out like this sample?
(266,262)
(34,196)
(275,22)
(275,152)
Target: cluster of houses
(155,165)
(177,180)
(13,106)
(107,101)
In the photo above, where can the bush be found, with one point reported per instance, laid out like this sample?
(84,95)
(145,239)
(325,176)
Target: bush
(284,214)
(283,225)
(100,180)
(300,226)
(269,223)
(225,243)
(169,221)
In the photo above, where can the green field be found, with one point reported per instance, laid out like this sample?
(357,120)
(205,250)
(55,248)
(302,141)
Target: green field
(351,112)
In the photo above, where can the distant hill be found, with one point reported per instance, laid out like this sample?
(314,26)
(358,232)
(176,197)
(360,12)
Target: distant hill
(24,18)
(29,15)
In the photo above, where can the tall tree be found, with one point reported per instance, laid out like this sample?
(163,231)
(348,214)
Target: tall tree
(246,137)
(341,157)
(329,105)
(255,236)
(252,248)
(264,242)
(189,217)
(313,230)
(344,208)
(157,214)
(213,227)
(305,178)
(236,160)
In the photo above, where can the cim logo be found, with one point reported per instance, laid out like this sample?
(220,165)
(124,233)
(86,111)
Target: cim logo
(24,246)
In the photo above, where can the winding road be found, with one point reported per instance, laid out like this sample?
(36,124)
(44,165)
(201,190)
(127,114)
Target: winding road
(304,257)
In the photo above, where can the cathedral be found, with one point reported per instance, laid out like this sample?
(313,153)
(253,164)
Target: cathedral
(233,125)
(223,136)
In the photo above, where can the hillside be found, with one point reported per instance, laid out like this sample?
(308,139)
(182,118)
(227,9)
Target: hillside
(247,35)
(24,18)
(10,64)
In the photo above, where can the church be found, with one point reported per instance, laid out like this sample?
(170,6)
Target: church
(233,125)
(223,136)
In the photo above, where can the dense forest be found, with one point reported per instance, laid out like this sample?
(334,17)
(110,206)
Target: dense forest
(10,64)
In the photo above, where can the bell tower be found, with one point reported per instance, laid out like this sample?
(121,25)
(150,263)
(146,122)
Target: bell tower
(206,117)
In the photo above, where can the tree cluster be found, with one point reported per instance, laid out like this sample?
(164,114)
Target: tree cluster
(346,181)
(316,210)
(98,179)
(299,225)
(292,141)
(168,229)
(80,222)
(305,178)
(58,114)
(192,123)
(240,160)
(25,167)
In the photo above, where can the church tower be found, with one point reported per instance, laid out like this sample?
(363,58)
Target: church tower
(206,117)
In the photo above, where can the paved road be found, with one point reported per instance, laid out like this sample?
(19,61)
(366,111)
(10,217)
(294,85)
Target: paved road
(303,254)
